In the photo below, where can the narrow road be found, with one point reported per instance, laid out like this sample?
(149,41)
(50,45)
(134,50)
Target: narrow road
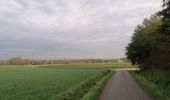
(122,86)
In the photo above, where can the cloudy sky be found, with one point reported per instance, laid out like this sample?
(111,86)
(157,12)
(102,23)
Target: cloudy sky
(52,29)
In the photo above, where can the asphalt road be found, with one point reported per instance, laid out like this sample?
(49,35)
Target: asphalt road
(122,86)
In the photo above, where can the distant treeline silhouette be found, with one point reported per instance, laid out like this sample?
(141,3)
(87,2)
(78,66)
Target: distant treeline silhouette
(21,61)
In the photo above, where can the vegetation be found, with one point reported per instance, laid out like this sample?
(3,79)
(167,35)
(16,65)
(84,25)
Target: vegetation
(25,83)
(94,93)
(90,65)
(150,43)
(140,50)
(78,91)
(21,61)
(150,49)
(155,82)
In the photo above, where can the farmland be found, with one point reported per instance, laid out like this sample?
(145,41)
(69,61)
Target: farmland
(27,83)
(90,65)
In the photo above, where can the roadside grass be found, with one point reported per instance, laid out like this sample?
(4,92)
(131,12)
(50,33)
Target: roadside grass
(95,92)
(25,83)
(78,91)
(89,65)
(154,82)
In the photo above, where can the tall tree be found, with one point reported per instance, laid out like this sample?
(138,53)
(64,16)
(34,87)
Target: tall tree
(164,33)
(150,44)
(165,13)
(143,42)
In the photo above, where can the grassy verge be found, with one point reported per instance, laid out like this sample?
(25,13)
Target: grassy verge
(78,91)
(154,82)
(94,93)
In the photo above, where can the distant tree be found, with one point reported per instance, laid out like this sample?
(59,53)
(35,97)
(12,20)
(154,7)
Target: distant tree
(15,61)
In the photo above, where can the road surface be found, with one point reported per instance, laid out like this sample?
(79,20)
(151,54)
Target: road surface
(123,87)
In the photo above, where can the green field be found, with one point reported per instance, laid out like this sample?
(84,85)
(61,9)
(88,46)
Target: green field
(90,65)
(26,83)
(48,82)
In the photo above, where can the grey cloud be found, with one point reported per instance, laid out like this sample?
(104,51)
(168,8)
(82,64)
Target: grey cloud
(70,28)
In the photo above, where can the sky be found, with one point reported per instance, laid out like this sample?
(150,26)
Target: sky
(70,29)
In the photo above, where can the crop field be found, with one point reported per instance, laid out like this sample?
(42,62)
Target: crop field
(90,65)
(26,83)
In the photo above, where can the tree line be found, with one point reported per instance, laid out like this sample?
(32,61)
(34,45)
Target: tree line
(150,43)
(21,61)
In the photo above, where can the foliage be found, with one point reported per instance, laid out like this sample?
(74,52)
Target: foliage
(94,93)
(21,61)
(25,83)
(164,33)
(159,77)
(165,13)
(155,82)
(143,42)
(150,44)
(78,91)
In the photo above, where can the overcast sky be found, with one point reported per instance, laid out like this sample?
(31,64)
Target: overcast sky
(52,29)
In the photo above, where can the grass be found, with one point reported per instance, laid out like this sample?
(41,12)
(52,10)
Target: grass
(25,83)
(78,91)
(95,92)
(90,65)
(155,82)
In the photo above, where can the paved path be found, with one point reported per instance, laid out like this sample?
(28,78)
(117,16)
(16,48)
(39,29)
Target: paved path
(119,69)
(123,87)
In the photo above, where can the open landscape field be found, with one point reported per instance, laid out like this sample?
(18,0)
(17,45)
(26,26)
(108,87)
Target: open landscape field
(26,83)
(85,50)
(90,65)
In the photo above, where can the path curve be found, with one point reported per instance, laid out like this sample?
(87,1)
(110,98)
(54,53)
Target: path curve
(123,87)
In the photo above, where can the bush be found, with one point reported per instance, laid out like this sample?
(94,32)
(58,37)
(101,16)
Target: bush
(159,77)
(155,82)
